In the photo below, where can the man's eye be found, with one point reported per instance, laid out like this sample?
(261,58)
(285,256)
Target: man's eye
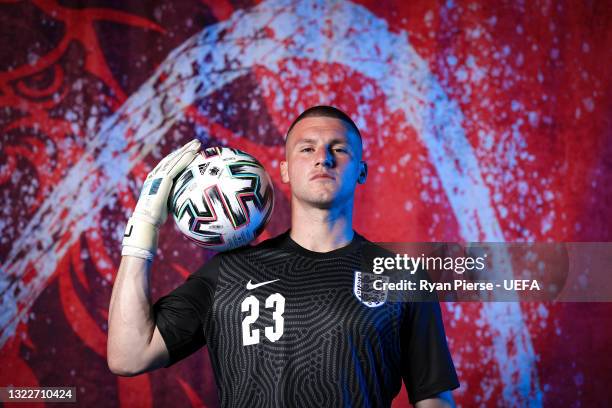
(307,149)
(341,150)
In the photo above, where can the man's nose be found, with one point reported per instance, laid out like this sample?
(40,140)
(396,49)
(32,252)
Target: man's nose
(325,158)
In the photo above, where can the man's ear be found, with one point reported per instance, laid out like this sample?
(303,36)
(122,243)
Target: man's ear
(363,172)
(284,171)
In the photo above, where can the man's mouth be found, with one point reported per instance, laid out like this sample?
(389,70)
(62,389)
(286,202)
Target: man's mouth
(322,176)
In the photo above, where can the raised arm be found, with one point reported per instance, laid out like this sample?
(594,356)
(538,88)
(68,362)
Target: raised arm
(135,344)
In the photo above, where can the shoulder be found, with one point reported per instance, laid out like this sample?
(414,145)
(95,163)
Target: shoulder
(371,249)
(213,264)
(364,241)
(276,243)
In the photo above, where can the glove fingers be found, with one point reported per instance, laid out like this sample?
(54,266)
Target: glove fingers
(167,162)
(174,157)
(167,174)
(190,150)
(172,165)
(181,163)
(194,145)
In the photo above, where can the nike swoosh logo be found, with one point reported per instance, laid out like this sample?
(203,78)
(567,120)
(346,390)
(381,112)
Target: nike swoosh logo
(251,286)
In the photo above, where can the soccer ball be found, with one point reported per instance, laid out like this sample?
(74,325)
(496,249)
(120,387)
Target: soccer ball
(223,199)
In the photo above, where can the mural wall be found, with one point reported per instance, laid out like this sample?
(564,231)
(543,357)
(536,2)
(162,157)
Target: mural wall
(481,122)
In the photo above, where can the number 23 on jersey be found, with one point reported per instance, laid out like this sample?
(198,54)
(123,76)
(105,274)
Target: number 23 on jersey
(250,305)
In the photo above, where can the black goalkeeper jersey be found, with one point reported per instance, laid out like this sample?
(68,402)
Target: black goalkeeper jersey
(289,327)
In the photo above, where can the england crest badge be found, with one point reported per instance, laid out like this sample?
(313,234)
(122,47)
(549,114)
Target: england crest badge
(363,289)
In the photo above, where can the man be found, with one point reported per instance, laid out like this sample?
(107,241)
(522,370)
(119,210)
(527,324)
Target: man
(280,319)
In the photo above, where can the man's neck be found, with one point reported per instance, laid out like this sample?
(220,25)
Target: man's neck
(321,230)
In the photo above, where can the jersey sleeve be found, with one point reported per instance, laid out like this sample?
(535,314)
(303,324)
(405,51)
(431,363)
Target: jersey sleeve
(180,315)
(427,366)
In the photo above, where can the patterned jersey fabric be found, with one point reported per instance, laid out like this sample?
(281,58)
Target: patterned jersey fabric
(288,327)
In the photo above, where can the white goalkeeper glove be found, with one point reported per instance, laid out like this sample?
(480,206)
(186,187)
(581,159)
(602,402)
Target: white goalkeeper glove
(141,232)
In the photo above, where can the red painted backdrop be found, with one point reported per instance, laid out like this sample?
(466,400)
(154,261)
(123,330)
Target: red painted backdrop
(481,121)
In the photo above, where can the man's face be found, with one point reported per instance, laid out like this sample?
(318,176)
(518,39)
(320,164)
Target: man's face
(323,162)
